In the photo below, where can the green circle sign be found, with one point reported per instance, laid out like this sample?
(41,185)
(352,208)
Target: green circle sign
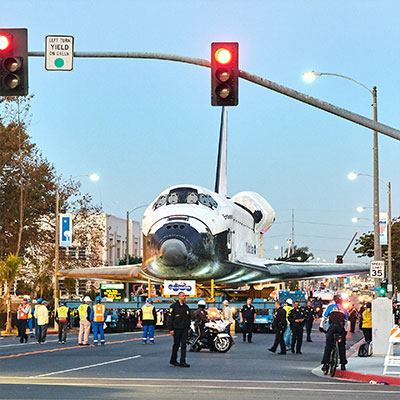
(59,62)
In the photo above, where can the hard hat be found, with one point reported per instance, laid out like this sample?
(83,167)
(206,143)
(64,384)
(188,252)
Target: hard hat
(87,298)
(29,301)
(40,300)
(201,303)
(225,302)
(34,301)
(289,301)
(149,300)
(98,299)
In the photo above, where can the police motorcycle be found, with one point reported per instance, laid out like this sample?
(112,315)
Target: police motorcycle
(214,337)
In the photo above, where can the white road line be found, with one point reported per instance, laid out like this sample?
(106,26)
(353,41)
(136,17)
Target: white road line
(85,367)
(72,337)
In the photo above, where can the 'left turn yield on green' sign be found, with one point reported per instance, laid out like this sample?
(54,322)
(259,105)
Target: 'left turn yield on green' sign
(59,54)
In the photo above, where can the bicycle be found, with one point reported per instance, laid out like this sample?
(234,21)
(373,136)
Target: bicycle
(334,357)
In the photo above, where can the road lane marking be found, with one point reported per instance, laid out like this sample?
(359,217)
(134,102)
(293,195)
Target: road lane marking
(33,341)
(73,347)
(85,367)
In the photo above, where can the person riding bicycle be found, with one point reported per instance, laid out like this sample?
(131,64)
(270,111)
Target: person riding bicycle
(336,316)
(200,318)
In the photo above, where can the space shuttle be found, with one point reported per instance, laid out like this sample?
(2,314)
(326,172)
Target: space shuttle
(190,232)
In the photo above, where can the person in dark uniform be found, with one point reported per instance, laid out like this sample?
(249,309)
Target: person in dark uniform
(296,319)
(200,318)
(353,317)
(337,317)
(309,315)
(178,326)
(396,312)
(248,318)
(279,324)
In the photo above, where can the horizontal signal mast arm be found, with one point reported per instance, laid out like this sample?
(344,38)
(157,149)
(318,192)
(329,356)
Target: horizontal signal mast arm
(294,94)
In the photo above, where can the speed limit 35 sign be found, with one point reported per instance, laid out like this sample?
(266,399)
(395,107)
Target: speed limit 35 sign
(377,269)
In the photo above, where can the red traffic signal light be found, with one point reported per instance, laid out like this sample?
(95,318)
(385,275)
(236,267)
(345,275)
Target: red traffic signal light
(225,74)
(13,62)
(4,42)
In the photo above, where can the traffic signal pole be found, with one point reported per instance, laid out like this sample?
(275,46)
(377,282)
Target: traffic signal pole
(294,94)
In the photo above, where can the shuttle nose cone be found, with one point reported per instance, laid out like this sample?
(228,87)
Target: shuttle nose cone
(173,252)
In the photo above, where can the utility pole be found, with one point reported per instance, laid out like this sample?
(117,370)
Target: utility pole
(292,244)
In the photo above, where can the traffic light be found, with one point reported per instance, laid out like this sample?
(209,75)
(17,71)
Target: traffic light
(339,259)
(225,74)
(383,289)
(13,62)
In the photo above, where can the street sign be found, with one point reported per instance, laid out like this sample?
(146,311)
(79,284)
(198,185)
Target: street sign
(65,230)
(59,54)
(174,287)
(377,269)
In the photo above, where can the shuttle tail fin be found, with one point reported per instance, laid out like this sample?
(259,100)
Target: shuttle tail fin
(221,176)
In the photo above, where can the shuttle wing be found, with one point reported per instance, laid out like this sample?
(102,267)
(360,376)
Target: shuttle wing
(260,270)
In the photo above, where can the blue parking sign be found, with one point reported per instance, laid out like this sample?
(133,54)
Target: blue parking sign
(65,230)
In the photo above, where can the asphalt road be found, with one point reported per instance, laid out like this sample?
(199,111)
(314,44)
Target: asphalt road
(125,368)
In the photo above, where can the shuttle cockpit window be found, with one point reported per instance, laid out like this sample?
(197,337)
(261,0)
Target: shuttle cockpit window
(185,196)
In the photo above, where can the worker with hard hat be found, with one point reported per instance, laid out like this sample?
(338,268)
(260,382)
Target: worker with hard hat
(98,316)
(22,320)
(148,319)
(288,332)
(62,318)
(84,321)
(42,315)
(30,318)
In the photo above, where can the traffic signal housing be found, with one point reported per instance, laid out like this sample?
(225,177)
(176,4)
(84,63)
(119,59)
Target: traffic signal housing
(13,62)
(383,289)
(224,74)
(339,259)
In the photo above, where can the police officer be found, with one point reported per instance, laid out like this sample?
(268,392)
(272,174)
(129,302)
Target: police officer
(248,318)
(337,317)
(178,326)
(98,316)
(309,315)
(279,324)
(62,318)
(200,317)
(296,319)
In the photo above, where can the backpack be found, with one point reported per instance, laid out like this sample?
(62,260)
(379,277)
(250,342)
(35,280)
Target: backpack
(365,350)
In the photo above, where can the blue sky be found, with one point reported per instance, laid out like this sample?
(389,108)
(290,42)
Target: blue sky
(144,125)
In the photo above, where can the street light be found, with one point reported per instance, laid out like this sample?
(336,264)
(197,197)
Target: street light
(310,76)
(127,230)
(94,178)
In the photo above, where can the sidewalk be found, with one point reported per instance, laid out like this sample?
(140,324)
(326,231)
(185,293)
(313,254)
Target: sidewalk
(364,369)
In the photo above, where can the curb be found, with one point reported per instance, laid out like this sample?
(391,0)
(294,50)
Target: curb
(359,376)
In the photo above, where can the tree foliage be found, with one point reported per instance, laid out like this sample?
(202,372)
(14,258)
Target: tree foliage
(28,184)
(298,254)
(364,247)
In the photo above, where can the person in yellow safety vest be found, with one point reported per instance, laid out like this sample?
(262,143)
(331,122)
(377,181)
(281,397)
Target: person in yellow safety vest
(84,322)
(22,320)
(288,332)
(367,323)
(148,319)
(62,318)
(98,316)
(30,318)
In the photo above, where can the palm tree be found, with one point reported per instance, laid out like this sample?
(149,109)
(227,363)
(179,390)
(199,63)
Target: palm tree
(8,274)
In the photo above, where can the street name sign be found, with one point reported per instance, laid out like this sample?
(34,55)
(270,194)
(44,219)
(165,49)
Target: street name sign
(59,54)
(377,269)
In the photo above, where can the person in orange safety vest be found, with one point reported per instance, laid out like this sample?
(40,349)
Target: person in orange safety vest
(98,316)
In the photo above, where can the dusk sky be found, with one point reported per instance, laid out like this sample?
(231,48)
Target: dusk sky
(144,125)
